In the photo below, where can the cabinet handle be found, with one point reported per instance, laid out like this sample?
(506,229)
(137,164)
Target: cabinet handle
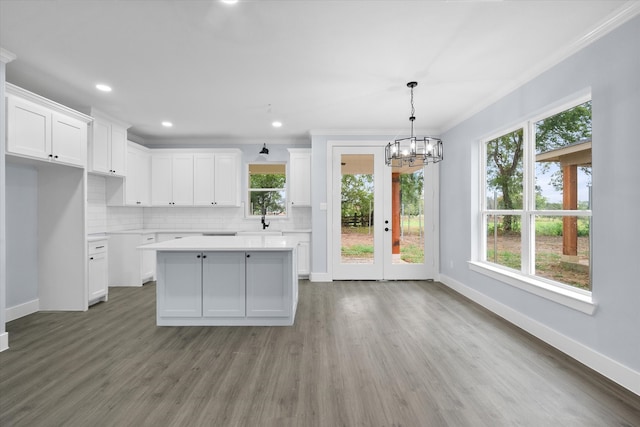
(137,203)
(149,238)
(99,247)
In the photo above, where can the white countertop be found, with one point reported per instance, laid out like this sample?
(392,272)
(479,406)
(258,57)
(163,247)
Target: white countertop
(200,231)
(225,243)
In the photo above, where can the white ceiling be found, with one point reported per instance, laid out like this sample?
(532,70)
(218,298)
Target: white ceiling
(214,69)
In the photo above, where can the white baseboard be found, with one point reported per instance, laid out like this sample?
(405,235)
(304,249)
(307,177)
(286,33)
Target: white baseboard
(615,371)
(320,277)
(4,341)
(21,310)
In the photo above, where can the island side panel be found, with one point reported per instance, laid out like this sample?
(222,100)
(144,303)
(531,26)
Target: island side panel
(269,284)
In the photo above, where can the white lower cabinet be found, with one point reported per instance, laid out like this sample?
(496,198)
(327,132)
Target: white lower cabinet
(98,271)
(225,287)
(304,250)
(128,265)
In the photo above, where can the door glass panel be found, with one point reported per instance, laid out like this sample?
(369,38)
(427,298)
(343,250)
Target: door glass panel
(356,215)
(407,207)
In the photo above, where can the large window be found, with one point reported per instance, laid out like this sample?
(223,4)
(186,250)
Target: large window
(267,195)
(536,206)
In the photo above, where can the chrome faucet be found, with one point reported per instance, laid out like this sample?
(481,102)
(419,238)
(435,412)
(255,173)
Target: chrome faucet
(264,223)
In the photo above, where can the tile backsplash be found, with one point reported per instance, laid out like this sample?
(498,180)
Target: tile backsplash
(102,218)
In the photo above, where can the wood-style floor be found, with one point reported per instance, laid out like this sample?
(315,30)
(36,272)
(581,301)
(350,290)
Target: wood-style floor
(359,354)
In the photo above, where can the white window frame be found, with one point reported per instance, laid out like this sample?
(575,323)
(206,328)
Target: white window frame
(525,279)
(248,191)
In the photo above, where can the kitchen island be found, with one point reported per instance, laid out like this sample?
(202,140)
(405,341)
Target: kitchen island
(226,281)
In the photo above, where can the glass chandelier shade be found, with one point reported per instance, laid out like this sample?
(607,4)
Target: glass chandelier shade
(413,151)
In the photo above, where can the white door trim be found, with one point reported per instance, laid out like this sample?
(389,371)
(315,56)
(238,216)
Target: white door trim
(432,217)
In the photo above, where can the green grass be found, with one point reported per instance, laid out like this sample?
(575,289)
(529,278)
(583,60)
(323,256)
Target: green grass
(546,226)
(357,250)
(412,253)
(506,258)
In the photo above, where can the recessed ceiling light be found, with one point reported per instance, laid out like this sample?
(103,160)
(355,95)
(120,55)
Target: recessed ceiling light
(276,124)
(103,87)
(167,124)
(229,1)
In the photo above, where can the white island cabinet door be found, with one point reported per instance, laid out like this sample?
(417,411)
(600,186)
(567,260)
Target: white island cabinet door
(223,284)
(180,284)
(269,284)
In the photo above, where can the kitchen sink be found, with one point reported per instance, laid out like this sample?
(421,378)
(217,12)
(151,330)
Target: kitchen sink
(259,233)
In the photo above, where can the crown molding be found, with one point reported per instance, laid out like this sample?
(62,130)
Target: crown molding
(6,56)
(386,133)
(614,20)
(12,89)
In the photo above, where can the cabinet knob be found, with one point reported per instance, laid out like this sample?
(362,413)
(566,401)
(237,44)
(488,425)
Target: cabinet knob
(386,229)
(204,256)
(91,258)
(55,157)
(50,155)
(248,255)
(198,256)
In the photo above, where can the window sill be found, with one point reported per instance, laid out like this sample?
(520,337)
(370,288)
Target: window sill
(576,299)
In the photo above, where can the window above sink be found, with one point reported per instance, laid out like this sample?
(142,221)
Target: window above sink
(267,190)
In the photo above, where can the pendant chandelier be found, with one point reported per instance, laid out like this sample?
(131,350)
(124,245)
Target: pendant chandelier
(413,151)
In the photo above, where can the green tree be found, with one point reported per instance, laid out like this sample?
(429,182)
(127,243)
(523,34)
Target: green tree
(504,156)
(565,128)
(504,173)
(267,196)
(357,195)
(411,185)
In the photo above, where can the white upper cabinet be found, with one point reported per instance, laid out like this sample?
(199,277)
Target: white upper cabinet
(138,180)
(207,177)
(136,188)
(203,191)
(300,176)
(171,179)
(226,179)
(108,145)
(217,179)
(42,129)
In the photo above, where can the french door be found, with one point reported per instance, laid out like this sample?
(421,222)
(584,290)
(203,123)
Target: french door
(382,223)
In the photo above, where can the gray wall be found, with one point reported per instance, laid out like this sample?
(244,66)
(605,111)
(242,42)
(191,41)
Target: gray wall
(22,234)
(611,68)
